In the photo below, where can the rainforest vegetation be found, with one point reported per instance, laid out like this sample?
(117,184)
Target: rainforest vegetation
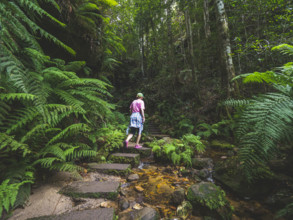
(209,70)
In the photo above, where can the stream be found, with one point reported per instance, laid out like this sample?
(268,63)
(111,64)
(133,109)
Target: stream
(157,183)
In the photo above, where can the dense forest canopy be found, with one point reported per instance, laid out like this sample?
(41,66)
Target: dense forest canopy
(69,69)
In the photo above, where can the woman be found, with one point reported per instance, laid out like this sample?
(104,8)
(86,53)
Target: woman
(137,119)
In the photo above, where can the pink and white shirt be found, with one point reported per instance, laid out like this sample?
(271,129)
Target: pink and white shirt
(137,105)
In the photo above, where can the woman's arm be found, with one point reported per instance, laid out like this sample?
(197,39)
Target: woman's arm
(142,113)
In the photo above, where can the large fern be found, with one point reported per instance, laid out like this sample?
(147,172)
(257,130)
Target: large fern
(267,119)
(45,108)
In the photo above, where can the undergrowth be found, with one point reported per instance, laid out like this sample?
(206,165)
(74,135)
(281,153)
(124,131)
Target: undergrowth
(178,151)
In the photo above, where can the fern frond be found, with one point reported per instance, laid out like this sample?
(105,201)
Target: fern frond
(70,100)
(40,128)
(175,158)
(24,116)
(71,130)
(17,96)
(31,6)
(284,49)
(47,162)
(8,144)
(168,149)
(236,103)
(70,167)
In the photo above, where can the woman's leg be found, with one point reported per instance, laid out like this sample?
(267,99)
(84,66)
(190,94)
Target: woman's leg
(129,137)
(138,139)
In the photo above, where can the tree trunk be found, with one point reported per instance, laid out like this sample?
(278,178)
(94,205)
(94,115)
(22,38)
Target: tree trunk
(190,45)
(171,49)
(191,53)
(142,50)
(206,17)
(226,49)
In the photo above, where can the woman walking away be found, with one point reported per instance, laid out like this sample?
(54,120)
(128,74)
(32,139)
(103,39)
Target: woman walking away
(136,120)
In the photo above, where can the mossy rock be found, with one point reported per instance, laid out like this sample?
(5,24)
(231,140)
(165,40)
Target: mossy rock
(126,158)
(228,173)
(112,169)
(221,145)
(209,198)
(202,163)
(80,189)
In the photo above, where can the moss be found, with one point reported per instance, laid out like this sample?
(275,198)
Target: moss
(221,144)
(117,172)
(110,195)
(134,161)
(211,197)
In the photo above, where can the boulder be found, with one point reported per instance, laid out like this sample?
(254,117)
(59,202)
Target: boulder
(209,199)
(178,196)
(202,163)
(203,174)
(227,173)
(280,198)
(133,177)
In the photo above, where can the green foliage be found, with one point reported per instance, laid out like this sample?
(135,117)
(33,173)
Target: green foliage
(47,113)
(194,141)
(285,212)
(224,127)
(8,194)
(266,120)
(109,139)
(178,151)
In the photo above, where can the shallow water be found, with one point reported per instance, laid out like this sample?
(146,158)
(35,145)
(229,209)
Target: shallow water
(158,182)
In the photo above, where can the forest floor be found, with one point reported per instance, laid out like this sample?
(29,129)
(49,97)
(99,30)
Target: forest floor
(153,188)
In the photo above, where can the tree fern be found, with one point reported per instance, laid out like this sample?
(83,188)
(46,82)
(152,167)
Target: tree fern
(45,107)
(265,120)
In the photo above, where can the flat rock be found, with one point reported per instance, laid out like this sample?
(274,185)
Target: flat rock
(93,189)
(133,177)
(111,168)
(160,135)
(94,214)
(143,152)
(133,159)
(146,213)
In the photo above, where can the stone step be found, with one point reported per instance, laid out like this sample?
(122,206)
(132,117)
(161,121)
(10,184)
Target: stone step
(133,159)
(94,189)
(143,152)
(111,168)
(94,214)
(159,135)
(155,132)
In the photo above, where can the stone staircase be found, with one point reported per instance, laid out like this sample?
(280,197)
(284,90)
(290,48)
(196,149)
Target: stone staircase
(154,131)
(121,165)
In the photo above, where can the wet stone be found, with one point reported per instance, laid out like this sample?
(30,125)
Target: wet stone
(95,214)
(178,196)
(133,177)
(111,168)
(202,163)
(129,158)
(143,152)
(123,203)
(94,189)
(146,213)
